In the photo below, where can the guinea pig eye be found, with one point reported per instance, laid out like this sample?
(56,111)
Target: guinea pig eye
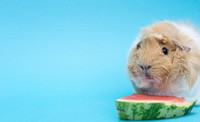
(138,46)
(165,50)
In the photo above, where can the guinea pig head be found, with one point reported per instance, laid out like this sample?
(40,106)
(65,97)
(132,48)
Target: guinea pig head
(155,60)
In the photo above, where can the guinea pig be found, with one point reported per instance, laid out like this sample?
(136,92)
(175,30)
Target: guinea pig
(165,60)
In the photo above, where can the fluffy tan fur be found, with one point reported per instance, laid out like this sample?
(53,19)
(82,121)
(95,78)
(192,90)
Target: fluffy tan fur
(166,69)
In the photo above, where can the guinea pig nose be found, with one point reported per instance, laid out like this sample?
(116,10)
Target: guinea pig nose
(145,67)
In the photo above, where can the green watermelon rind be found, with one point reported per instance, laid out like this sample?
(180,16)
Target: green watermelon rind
(151,110)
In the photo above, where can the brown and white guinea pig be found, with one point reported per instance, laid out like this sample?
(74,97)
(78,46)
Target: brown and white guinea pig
(165,60)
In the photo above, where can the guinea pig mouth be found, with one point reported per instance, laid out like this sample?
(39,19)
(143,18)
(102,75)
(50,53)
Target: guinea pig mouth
(148,78)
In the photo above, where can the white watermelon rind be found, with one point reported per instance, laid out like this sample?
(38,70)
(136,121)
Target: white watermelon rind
(151,110)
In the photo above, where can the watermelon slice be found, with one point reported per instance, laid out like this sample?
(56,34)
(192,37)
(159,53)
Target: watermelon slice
(149,107)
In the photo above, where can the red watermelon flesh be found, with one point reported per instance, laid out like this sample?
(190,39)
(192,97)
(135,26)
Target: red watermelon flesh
(144,97)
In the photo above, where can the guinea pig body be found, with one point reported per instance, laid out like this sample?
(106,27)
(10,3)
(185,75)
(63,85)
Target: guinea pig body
(165,60)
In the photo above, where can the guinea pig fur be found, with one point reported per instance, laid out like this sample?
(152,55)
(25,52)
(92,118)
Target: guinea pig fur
(165,60)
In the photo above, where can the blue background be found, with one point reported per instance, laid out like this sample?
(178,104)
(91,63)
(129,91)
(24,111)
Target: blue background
(65,60)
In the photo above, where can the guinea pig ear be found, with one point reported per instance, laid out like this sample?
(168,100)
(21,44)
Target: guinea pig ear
(183,47)
(146,32)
